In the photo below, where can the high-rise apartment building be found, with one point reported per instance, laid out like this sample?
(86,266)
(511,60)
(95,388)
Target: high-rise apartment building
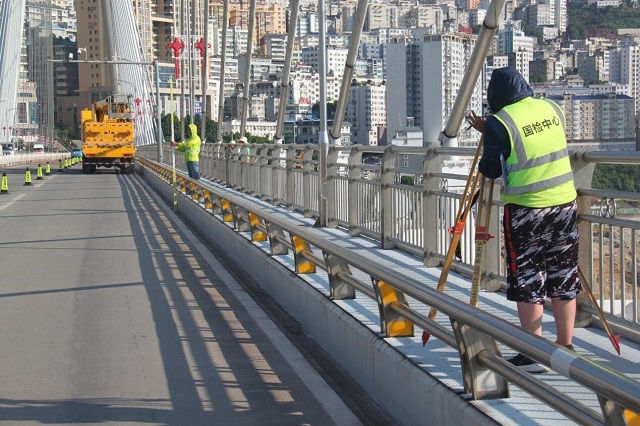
(336,59)
(426,73)
(404,15)
(366,111)
(269,19)
(625,67)
(518,47)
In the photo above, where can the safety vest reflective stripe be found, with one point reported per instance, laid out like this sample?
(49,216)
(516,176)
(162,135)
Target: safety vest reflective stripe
(190,151)
(539,186)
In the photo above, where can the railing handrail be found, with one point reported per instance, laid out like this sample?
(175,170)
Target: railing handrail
(358,192)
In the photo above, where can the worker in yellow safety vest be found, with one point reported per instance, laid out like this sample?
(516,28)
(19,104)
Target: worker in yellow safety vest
(525,143)
(191,149)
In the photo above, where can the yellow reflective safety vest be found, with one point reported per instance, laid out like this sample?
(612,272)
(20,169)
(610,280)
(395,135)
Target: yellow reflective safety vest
(191,145)
(538,172)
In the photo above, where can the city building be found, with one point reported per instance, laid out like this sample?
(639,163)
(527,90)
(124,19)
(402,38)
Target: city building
(336,60)
(625,67)
(265,129)
(367,113)
(426,73)
(307,130)
(517,46)
(602,122)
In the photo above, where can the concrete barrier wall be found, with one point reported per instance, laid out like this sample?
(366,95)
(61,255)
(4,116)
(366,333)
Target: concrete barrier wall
(403,389)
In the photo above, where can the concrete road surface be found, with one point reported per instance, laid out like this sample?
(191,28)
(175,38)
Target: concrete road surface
(112,312)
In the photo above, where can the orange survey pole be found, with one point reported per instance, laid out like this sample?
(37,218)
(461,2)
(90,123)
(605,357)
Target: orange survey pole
(466,202)
(614,338)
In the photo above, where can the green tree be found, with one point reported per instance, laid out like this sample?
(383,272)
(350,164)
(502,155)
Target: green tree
(166,127)
(537,78)
(575,31)
(211,128)
(592,17)
(331,109)
(617,177)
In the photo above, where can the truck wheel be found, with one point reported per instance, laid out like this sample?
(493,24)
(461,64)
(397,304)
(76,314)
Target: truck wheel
(86,168)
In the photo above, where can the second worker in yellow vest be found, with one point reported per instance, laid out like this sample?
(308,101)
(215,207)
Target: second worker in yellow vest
(191,149)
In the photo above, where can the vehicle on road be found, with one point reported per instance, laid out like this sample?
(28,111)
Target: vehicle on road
(76,152)
(108,135)
(8,149)
(38,147)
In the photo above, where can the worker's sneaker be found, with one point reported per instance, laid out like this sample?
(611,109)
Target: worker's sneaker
(527,364)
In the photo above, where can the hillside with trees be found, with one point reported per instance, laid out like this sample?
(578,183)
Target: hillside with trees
(581,19)
(617,177)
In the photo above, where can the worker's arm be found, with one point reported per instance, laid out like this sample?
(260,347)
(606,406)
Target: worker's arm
(496,145)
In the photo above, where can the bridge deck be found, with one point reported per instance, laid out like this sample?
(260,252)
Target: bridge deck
(112,312)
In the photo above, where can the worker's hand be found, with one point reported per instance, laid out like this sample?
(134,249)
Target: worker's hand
(475,121)
(174,144)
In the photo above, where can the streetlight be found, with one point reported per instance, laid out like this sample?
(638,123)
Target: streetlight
(118,81)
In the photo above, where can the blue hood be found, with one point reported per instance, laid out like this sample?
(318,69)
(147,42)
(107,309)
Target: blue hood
(507,86)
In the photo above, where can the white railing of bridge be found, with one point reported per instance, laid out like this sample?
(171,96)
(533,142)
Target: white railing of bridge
(32,158)
(423,205)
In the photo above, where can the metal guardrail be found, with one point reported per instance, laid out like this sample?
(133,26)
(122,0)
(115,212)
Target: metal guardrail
(475,332)
(412,208)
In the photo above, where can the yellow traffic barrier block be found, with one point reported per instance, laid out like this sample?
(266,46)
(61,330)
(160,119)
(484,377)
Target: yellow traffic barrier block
(391,324)
(206,195)
(27,177)
(303,266)
(256,233)
(5,184)
(47,169)
(227,213)
(193,191)
(60,168)
(39,173)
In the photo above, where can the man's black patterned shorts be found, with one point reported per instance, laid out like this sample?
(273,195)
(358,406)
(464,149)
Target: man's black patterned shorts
(541,248)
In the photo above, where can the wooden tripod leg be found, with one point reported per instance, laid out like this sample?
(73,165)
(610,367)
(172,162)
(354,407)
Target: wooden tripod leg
(465,206)
(614,338)
(481,238)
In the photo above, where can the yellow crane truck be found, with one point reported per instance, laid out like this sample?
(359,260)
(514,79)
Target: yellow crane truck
(108,135)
